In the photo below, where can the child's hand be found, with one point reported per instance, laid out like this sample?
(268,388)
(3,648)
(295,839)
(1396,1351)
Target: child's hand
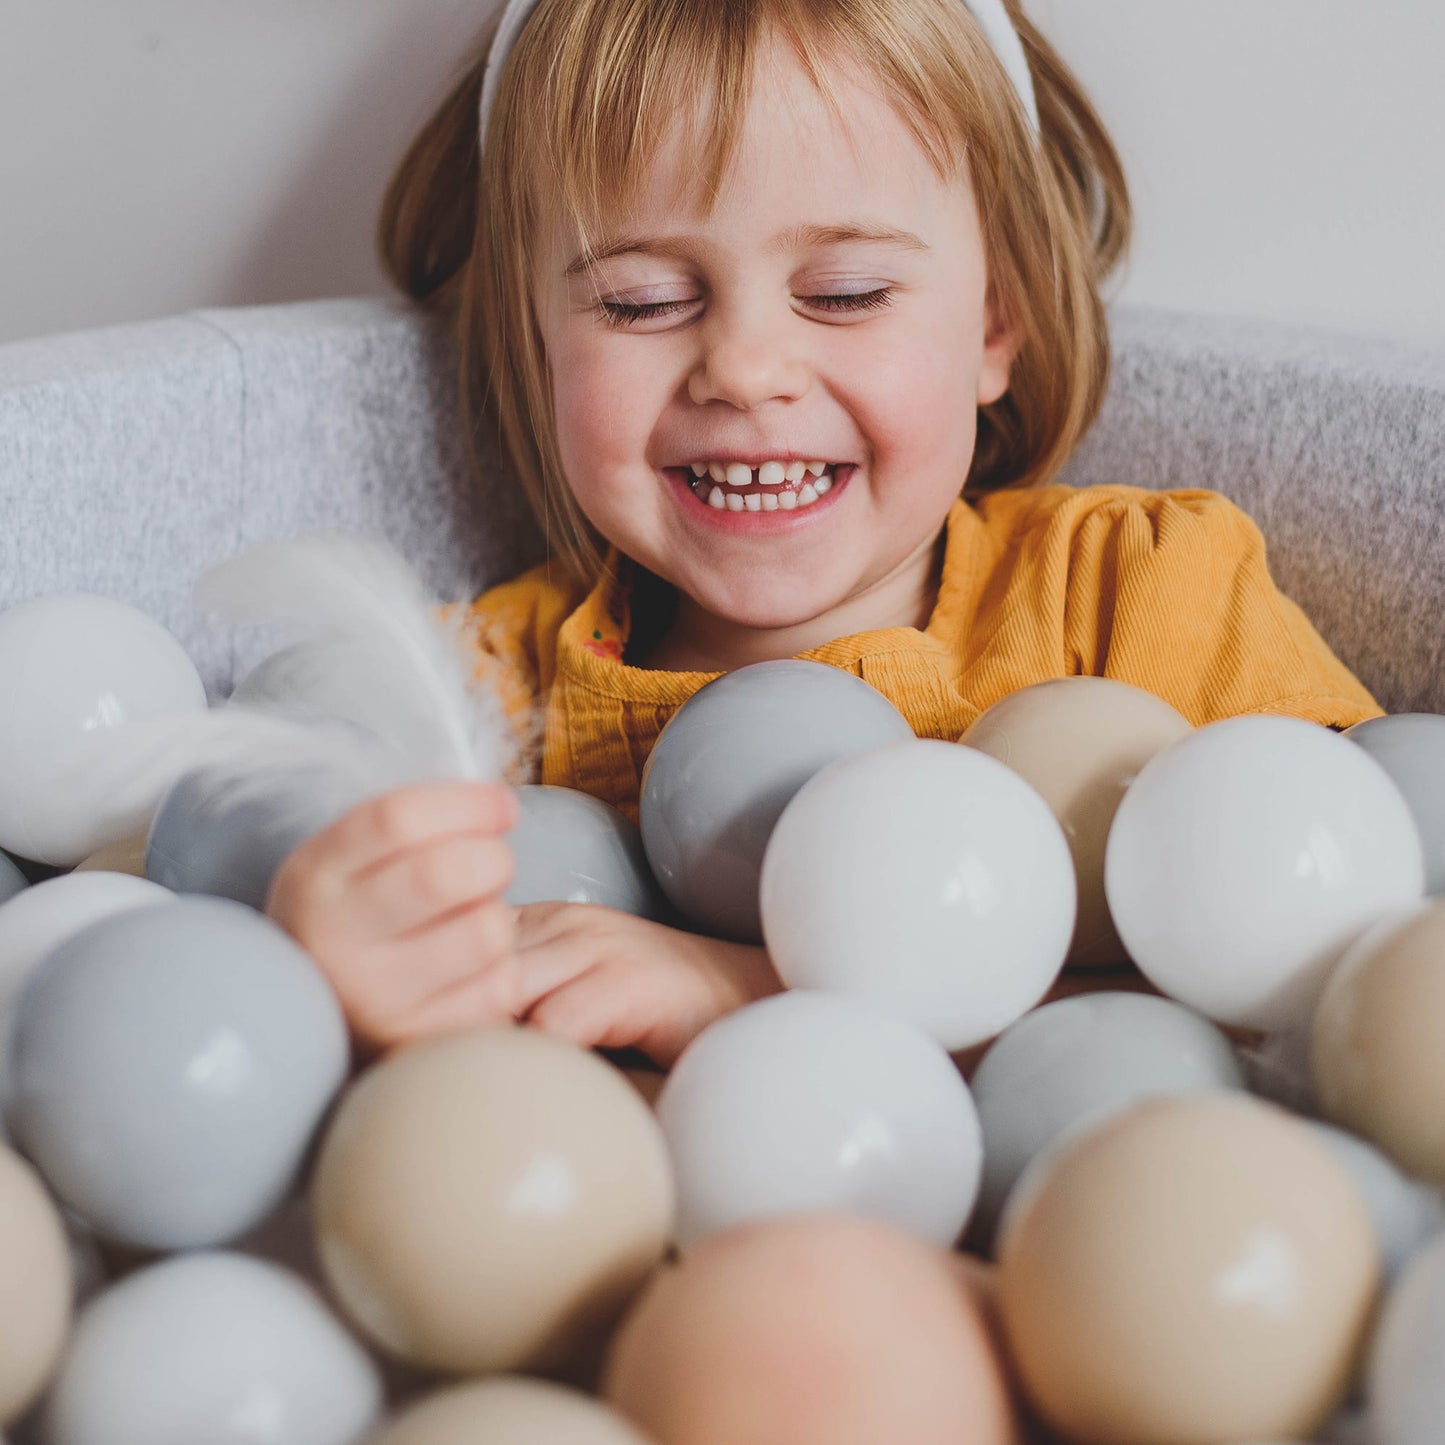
(402,903)
(605,979)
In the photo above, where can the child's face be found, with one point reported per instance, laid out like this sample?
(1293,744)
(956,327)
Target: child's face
(749,363)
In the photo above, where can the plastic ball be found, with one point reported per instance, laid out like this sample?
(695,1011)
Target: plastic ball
(1404,1384)
(38,920)
(171,1065)
(1410,746)
(211,1346)
(572,847)
(71,665)
(1377,1050)
(490,1200)
(229,843)
(815,1330)
(1244,859)
(1083,1058)
(35,1283)
(128,855)
(507,1410)
(1197,1268)
(12,880)
(727,763)
(1079,742)
(813,1101)
(1405,1212)
(926,878)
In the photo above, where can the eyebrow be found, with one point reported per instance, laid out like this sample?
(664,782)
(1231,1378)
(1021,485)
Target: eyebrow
(797,238)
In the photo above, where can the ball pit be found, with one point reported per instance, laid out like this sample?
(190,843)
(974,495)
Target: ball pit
(498,1201)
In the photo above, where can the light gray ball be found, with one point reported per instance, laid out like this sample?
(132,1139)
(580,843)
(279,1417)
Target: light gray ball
(212,1348)
(1410,746)
(1406,1212)
(171,1066)
(572,847)
(727,764)
(1078,1059)
(206,840)
(12,880)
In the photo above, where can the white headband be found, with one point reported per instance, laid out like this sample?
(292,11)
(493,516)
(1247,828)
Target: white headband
(992,19)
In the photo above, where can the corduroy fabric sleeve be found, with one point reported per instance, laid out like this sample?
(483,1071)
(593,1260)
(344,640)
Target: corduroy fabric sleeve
(512,629)
(1171,591)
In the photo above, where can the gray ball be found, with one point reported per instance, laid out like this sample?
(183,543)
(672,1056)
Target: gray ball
(572,847)
(1410,746)
(12,880)
(727,764)
(230,843)
(171,1066)
(1079,1059)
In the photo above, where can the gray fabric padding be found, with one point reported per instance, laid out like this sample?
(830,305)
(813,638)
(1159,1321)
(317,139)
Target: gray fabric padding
(131,458)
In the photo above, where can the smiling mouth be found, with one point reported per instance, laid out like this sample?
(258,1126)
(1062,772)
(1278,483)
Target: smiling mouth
(755,496)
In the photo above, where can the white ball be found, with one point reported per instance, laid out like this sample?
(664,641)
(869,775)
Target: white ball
(71,665)
(814,1101)
(1404,1384)
(211,1346)
(1245,858)
(927,878)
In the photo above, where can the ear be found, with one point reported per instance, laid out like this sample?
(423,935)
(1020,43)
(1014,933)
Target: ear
(1001,343)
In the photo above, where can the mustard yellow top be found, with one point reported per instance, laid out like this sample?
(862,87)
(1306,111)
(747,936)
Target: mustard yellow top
(1167,590)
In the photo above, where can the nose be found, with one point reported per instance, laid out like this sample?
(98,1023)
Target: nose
(749,356)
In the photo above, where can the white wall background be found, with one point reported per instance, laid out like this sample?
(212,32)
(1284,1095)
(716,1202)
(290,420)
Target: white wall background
(1285,155)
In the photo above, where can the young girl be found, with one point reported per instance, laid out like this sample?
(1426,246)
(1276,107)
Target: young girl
(788,314)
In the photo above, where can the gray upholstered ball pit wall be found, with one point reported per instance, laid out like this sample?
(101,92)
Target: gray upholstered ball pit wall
(132,458)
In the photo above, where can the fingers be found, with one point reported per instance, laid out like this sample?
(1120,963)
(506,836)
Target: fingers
(421,886)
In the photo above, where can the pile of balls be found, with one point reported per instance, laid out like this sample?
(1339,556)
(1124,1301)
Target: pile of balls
(1105,1101)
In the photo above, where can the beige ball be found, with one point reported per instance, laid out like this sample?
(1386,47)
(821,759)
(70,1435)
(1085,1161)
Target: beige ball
(1197,1269)
(490,1201)
(126,856)
(1377,1044)
(509,1411)
(1080,742)
(812,1330)
(36,1287)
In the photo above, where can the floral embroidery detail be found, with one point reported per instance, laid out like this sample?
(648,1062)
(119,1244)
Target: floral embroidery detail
(601,646)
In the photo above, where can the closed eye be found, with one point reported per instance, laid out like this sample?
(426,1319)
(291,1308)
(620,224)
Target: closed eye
(622,313)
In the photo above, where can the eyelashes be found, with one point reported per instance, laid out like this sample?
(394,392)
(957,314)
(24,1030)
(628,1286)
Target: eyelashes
(623,314)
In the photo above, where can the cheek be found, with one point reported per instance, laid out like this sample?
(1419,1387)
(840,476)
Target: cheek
(599,408)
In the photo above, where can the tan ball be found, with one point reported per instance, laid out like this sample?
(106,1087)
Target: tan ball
(812,1330)
(126,856)
(490,1201)
(509,1410)
(36,1288)
(1197,1269)
(1377,1044)
(1080,742)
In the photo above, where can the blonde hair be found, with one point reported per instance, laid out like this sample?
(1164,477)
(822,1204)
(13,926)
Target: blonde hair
(589,86)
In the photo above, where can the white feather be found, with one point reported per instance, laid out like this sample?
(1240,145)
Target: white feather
(237,753)
(392,662)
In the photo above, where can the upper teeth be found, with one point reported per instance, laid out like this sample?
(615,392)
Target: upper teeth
(770,474)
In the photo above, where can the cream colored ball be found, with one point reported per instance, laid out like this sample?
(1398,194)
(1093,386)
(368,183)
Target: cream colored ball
(1377,1043)
(1080,742)
(821,1329)
(1196,1269)
(36,1287)
(508,1410)
(128,855)
(490,1201)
